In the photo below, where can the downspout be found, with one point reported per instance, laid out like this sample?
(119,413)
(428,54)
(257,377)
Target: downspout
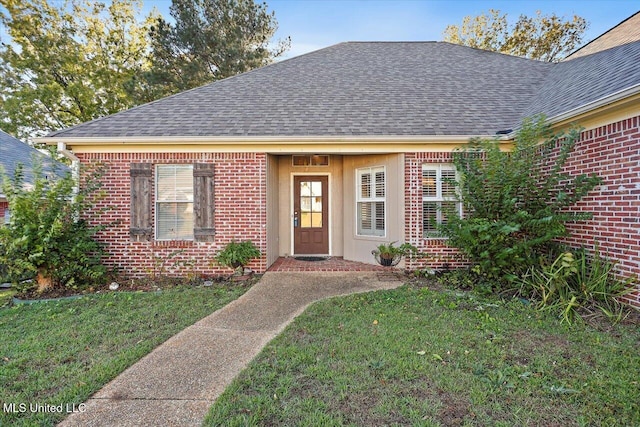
(75,165)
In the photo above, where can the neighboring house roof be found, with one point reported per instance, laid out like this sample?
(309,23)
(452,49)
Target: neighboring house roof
(627,31)
(581,81)
(349,89)
(13,151)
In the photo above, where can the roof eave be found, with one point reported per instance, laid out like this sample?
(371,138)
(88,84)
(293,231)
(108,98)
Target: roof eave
(258,140)
(583,110)
(594,105)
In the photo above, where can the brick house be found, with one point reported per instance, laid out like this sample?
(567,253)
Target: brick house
(335,151)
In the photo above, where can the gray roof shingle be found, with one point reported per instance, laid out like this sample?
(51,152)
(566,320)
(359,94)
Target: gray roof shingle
(349,89)
(379,89)
(572,84)
(13,151)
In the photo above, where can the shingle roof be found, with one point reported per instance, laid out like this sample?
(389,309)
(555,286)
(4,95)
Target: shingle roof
(349,89)
(627,31)
(582,80)
(379,89)
(14,151)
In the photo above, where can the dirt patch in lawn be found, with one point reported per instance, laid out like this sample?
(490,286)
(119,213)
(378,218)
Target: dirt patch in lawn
(454,410)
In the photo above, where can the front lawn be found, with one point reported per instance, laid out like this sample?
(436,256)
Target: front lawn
(5,296)
(62,352)
(415,356)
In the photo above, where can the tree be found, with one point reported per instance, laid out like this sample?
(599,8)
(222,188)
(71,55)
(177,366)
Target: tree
(210,40)
(517,202)
(46,236)
(68,64)
(543,37)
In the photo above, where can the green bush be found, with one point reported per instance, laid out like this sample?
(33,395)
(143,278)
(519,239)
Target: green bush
(576,284)
(45,236)
(516,203)
(237,255)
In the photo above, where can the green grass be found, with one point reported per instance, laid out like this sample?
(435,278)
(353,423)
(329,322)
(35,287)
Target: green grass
(413,356)
(5,296)
(62,352)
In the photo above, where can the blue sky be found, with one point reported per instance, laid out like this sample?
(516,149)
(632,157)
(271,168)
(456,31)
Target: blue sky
(314,24)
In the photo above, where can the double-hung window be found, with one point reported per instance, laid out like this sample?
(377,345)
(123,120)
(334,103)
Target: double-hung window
(371,201)
(183,200)
(174,202)
(438,196)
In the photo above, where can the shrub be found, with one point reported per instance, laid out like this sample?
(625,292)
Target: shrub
(516,202)
(576,284)
(46,236)
(237,255)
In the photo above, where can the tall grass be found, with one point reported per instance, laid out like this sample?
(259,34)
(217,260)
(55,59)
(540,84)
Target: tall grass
(577,285)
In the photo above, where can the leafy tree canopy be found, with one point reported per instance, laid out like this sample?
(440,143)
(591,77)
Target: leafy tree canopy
(544,37)
(210,40)
(74,61)
(69,62)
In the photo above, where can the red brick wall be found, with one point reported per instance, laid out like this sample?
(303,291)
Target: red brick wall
(3,208)
(612,152)
(438,252)
(240,214)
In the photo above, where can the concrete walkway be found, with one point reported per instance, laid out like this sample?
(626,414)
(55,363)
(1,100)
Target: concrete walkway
(177,382)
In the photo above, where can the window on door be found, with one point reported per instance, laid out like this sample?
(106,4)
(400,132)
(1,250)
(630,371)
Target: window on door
(311,200)
(371,201)
(438,196)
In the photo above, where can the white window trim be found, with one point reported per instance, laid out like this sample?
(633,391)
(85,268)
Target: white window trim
(158,202)
(438,198)
(373,199)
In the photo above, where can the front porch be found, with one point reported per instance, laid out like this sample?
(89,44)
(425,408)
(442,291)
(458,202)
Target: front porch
(332,263)
(337,205)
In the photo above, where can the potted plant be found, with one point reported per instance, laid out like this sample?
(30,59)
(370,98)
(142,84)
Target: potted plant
(237,254)
(388,255)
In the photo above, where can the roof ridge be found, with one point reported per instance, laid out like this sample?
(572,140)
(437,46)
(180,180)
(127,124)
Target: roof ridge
(385,42)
